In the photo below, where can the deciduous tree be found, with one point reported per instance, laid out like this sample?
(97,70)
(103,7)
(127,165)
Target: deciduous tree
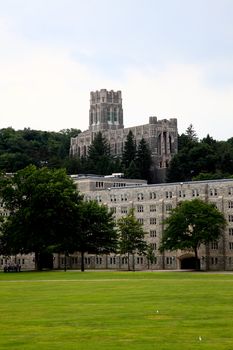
(131,236)
(43,204)
(191,224)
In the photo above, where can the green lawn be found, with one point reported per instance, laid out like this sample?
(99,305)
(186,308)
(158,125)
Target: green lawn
(116,310)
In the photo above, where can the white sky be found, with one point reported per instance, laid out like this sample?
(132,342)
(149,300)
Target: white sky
(170,59)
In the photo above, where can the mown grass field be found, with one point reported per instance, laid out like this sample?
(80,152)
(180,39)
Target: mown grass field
(116,310)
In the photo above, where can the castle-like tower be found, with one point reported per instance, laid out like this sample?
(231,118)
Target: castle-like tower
(106,111)
(106,116)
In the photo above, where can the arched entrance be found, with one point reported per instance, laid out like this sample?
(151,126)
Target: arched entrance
(188,262)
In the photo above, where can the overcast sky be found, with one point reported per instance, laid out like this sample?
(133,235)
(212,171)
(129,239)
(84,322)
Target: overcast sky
(170,59)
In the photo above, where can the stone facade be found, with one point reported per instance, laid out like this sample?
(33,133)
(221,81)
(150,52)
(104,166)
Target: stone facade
(106,116)
(152,204)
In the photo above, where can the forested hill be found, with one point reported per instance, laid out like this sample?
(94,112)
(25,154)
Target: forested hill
(23,147)
(204,159)
(196,159)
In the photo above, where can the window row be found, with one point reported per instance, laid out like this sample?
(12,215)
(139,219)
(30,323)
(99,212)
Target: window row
(140,208)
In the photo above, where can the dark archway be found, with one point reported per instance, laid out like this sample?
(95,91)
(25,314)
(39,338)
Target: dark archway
(46,261)
(189,264)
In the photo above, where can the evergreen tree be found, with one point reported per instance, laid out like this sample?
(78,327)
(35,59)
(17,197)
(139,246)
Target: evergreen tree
(143,160)
(99,158)
(130,150)
(132,172)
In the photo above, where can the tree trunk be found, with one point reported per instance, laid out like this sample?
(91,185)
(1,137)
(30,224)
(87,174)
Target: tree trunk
(128,262)
(65,265)
(133,262)
(82,262)
(37,261)
(197,265)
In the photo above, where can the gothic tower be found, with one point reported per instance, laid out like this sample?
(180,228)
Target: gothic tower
(106,111)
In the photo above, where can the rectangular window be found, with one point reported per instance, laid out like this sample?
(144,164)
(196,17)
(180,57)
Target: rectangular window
(152,221)
(214,245)
(124,210)
(152,233)
(214,261)
(153,246)
(230,218)
(168,194)
(140,208)
(152,208)
(141,221)
(139,260)
(99,184)
(213,192)
(230,231)
(231,245)
(230,204)
(169,260)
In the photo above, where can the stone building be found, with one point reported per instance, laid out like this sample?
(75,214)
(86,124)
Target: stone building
(152,204)
(106,116)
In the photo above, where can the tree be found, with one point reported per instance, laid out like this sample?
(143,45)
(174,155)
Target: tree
(99,158)
(143,159)
(129,152)
(191,224)
(150,255)
(132,172)
(96,233)
(131,236)
(43,204)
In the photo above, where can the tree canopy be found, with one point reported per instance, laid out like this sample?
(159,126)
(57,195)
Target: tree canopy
(196,159)
(131,236)
(20,148)
(96,233)
(42,204)
(191,224)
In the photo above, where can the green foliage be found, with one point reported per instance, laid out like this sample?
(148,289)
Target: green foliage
(132,172)
(207,156)
(191,224)
(21,148)
(143,159)
(43,205)
(131,235)
(136,160)
(96,233)
(150,255)
(129,152)
(99,159)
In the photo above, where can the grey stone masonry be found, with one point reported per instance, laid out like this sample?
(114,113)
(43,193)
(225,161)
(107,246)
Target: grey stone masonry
(106,116)
(152,204)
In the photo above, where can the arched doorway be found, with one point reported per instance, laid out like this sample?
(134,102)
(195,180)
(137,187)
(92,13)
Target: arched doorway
(190,263)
